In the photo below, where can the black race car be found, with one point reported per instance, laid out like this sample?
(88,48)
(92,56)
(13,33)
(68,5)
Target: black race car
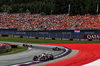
(26,45)
(56,49)
(43,57)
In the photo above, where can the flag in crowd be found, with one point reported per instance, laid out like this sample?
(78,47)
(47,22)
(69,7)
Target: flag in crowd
(77,31)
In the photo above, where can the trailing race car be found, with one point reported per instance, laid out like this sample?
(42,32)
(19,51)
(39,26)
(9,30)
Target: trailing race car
(26,45)
(56,49)
(43,57)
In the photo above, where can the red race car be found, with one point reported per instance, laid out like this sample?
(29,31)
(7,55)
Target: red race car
(43,57)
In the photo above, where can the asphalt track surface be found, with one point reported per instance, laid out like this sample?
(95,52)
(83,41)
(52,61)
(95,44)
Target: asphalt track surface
(27,56)
(73,53)
(88,52)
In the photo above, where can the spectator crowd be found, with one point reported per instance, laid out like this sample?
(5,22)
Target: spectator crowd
(89,22)
(26,21)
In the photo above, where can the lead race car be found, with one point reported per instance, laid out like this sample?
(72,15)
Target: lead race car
(43,57)
(56,49)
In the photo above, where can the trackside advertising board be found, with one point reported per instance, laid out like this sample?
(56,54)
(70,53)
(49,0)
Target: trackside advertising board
(91,36)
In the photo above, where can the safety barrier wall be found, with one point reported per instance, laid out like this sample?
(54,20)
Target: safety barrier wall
(49,34)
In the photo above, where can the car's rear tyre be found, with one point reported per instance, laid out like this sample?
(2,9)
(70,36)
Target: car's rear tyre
(35,58)
(51,57)
(46,58)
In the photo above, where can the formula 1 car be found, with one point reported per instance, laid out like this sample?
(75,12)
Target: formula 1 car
(56,49)
(26,45)
(43,57)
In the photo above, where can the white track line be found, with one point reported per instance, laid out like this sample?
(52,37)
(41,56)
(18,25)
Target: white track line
(94,63)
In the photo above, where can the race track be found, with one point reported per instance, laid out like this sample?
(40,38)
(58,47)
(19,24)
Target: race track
(81,55)
(27,56)
(88,52)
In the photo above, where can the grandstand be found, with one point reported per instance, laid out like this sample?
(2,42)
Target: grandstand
(89,22)
(26,21)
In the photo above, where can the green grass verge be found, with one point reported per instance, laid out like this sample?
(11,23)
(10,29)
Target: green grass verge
(29,40)
(15,50)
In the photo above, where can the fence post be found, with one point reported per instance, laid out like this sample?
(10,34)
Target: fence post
(77,36)
(30,34)
(63,36)
(70,36)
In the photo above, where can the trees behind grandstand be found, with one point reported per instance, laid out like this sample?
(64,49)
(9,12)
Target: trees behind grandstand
(57,6)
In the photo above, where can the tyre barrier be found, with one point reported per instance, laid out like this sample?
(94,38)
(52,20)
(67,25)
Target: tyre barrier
(12,45)
(6,48)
